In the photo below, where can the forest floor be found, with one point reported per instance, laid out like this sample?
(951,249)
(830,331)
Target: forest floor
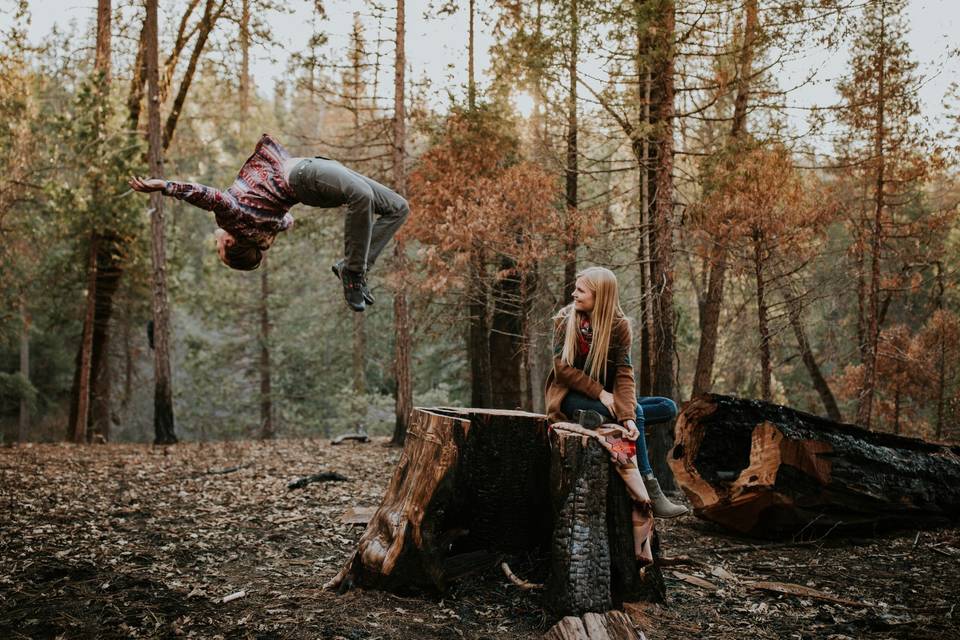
(132,541)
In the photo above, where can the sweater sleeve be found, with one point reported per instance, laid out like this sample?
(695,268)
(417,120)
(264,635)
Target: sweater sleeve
(200,196)
(624,385)
(569,376)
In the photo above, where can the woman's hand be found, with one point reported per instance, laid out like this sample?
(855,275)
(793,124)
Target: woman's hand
(146,185)
(632,432)
(607,399)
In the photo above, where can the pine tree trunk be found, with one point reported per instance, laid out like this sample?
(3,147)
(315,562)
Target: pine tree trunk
(402,358)
(710,323)
(102,58)
(93,366)
(478,340)
(23,427)
(762,325)
(865,404)
(359,354)
(528,292)
(662,251)
(203,33)
(111,259)
(645,155)
(127,358)
(163,420)
(266,395)
(244,89)
(713,305)
(572,170)
(942,356)
(79,424)
(794,312)
(471,79)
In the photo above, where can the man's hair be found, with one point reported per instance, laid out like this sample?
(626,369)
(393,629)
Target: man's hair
(243,256)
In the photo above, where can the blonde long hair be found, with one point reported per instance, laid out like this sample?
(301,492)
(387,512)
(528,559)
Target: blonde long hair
(606,308)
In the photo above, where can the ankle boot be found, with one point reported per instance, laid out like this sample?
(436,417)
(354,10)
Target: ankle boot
(643,525)
(662,507)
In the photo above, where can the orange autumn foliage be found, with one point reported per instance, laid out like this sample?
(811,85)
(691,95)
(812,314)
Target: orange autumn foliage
(916,372)
(474,201)
(752,188)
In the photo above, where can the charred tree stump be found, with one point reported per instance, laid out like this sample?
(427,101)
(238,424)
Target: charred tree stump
(767,470)
(475,485)
(469,485)
(592,563)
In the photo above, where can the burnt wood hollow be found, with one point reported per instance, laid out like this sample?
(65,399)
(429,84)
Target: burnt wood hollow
(767,470)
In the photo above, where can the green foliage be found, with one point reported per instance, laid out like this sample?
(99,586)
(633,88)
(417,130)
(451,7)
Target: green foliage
(14,387)
(94,155)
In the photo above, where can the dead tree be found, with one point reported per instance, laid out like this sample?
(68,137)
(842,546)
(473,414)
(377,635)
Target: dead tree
(768,470)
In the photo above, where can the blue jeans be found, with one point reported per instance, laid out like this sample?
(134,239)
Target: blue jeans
(650,410)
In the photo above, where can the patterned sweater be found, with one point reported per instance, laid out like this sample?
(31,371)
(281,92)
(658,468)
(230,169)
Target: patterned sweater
(255,207)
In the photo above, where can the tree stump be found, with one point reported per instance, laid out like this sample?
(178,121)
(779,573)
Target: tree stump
(474,485)
(592,562)
(470,484)
(767,470)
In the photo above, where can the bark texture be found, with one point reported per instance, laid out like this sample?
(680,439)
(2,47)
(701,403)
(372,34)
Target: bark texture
(163,391)
(401,313)
(768,470)
(592,561)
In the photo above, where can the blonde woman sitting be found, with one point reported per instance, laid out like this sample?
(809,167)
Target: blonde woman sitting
(592,371)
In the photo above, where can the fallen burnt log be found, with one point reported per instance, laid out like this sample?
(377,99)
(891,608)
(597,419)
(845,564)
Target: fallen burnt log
(767,470)
(474,486)
(592,562)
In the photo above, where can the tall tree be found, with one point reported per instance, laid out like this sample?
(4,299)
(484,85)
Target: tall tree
(662,233)
(163,420)
(401,312)
(883,146)
(244,88)
(267,429)
(99,253)
(718,260)
(572,170)
(355,93)
(23,425)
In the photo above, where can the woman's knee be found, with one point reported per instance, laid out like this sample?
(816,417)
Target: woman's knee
(658,409)
(672,406)
(403,208)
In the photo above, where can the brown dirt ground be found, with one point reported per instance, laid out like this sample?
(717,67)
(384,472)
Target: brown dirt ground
(131,541)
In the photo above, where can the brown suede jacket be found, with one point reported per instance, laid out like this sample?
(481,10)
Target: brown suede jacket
(564,378)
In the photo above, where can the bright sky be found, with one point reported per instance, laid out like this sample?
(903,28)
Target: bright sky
(437,49)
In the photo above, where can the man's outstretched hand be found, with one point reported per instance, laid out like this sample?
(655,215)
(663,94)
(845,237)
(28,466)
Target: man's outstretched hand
(146,185)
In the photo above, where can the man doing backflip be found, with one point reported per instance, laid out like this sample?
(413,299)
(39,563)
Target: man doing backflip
(255,208)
